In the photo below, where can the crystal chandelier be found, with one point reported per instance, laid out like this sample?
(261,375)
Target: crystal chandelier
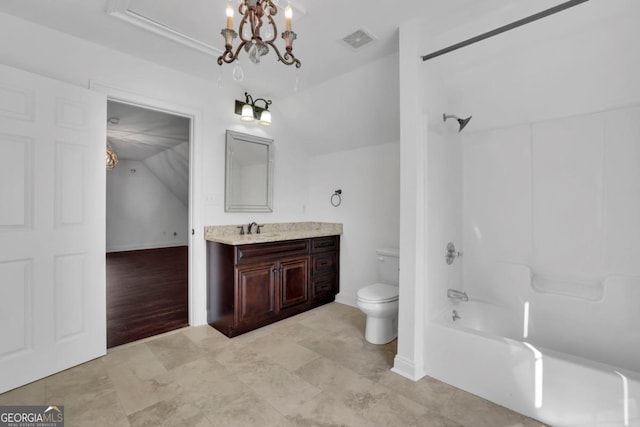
(257,32)
(111,159)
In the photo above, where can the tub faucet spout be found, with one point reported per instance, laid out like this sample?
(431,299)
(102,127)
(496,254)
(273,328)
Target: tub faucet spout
(455,294)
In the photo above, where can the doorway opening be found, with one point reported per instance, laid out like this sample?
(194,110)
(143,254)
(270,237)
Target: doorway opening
(147,222)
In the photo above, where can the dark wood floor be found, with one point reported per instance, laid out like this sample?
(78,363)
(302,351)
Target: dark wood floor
(147,293)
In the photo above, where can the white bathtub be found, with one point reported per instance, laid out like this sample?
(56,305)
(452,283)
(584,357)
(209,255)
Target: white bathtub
(568,371)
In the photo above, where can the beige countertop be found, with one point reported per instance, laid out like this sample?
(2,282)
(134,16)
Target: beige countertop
(274,232)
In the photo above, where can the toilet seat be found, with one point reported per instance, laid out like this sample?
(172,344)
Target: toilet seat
(378,293)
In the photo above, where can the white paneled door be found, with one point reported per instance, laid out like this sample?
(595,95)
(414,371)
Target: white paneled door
(52,226)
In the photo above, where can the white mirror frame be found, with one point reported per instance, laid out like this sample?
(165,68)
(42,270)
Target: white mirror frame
(229,206)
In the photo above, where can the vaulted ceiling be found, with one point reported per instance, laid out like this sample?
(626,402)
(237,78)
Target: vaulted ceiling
(138,133)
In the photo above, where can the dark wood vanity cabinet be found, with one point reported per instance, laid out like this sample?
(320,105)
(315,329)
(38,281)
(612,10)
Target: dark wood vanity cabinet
(249,286)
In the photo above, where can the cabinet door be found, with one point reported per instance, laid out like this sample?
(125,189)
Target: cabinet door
(294,282)
(256,293)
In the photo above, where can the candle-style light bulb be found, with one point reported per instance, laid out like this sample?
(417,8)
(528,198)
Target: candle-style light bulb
(288,14)
(229,17)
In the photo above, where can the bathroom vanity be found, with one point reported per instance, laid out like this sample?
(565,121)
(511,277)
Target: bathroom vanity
(257,279)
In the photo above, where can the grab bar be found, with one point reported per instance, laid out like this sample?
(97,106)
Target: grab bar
(457,295)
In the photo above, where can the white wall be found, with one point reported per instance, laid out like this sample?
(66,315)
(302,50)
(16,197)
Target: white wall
(356,109)
(142,212)
(413,231)
(369,179)
(350,126)
(171,167)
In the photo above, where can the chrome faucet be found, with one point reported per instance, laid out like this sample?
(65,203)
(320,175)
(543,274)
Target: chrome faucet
(457,295)
(250,226)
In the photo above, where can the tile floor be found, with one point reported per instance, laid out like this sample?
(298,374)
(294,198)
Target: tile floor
(314,369)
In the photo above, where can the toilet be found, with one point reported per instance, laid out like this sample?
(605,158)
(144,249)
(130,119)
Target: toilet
(379,301)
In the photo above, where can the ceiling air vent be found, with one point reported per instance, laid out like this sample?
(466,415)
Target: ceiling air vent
(358,38)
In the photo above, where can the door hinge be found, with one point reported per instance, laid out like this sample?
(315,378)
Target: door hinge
(193,232)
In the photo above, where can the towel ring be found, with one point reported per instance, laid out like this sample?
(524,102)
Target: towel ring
(336,198)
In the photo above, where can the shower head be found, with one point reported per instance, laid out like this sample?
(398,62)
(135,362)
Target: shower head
(461,122)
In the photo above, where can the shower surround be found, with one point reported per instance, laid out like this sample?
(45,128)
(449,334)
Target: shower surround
(549,223)
(562,197)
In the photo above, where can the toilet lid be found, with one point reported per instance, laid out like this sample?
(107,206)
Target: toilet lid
(378,292)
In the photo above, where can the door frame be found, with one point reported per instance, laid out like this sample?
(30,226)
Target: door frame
(197,291)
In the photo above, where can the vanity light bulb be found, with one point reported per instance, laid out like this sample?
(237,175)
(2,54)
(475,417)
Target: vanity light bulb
(247,113)
(265,118)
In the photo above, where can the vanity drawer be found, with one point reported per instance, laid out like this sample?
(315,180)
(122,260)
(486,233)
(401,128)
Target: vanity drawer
(324,285)
(324,244)
(266,251)
(324,263)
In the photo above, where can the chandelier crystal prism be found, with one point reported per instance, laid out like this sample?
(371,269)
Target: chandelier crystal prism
(257,18)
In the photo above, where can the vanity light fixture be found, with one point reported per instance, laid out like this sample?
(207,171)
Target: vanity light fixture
(249,111)
(258,15)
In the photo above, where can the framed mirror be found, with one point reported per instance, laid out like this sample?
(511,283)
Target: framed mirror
(249,173)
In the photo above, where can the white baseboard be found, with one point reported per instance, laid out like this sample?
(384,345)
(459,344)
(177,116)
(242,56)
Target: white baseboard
(125,248)
(407,368)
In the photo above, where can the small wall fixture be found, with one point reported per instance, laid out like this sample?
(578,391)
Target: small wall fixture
(249,111)
(336,198)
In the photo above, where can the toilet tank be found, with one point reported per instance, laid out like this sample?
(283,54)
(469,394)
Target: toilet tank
(389,265)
